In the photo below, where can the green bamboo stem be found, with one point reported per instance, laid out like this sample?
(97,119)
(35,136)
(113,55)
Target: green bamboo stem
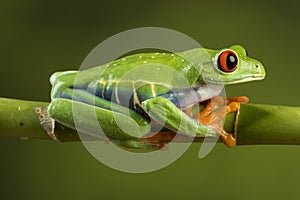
(256,124)
(18,118)
(268,124)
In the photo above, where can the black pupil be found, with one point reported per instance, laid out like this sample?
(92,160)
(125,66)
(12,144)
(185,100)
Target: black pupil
(231,61)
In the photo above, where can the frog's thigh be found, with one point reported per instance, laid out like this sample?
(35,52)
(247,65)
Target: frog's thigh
(83,96)
(90,118)
(166,113)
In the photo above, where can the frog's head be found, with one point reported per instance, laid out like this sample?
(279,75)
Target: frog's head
(233,66)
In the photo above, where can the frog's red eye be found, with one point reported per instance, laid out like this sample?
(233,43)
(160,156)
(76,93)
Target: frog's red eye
(227,61)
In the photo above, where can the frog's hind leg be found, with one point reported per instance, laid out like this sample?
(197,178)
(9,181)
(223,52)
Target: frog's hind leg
(89,111)
(141,144)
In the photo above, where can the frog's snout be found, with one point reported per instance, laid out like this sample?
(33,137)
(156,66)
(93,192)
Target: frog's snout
(260,72)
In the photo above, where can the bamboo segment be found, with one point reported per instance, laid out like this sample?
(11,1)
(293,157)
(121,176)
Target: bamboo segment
(255,124)
(18,119)
(268,124)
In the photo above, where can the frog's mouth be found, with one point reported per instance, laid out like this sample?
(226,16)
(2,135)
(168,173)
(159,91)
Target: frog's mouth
(243,80)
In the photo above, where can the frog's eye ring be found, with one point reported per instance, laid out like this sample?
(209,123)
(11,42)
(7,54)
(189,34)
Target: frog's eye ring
(227,61)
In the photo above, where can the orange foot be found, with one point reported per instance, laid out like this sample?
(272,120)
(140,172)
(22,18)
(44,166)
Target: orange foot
(160,139)
(214,113)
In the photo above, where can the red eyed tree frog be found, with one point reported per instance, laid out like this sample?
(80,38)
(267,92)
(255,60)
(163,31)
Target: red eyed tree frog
(124,94)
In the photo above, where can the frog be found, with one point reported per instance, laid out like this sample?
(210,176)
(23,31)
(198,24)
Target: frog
(130,93)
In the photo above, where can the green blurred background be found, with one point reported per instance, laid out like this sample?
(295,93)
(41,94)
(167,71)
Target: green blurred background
(40,37)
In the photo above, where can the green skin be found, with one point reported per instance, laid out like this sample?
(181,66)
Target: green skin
(124,95)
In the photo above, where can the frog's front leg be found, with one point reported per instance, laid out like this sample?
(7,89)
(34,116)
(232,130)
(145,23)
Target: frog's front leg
(216,102)
(167,114)
(215,111)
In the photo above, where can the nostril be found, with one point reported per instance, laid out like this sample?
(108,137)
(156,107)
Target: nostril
(256,65)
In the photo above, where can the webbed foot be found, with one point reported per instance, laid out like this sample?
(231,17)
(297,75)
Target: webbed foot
(214,113)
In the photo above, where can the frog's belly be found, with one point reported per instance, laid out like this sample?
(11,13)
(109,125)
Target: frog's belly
(186,98)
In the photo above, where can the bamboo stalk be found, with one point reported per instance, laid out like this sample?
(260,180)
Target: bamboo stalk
(256,124)
(268,124)
(19,118)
